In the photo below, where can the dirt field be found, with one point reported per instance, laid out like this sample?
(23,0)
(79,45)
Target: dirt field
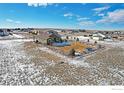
(23,62)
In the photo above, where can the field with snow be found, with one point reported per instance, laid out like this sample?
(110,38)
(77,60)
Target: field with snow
(22,62)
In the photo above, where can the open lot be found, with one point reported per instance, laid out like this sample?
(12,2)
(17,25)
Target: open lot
(23,62)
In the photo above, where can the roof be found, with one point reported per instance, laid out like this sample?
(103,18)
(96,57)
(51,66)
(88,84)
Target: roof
(53,34)
(98,35)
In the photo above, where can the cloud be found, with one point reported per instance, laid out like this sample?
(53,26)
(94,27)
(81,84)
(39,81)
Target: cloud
(18,22)
(83,21)
(116,16)
(100,9)
(13,21)
(71,15)
(9,20)
(82,18)
(86,23)
(41,4)
(68,15)
(101,14)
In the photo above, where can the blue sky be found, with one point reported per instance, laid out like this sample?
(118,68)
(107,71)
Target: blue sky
(99,16)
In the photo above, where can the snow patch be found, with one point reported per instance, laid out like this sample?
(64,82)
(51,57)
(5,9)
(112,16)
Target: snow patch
(18,36)
(80,63)
(13,36)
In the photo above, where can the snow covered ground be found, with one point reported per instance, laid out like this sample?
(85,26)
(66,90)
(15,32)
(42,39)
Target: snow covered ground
(101,73)
(113,43)
(17,66)
(13,36)
(12,70)
(75,61)
(109,42)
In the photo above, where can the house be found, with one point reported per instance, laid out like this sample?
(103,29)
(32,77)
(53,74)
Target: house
(58,30)
(51,32)
(56,39)
(98,36)
(3,32)
(53,38)
(83,38)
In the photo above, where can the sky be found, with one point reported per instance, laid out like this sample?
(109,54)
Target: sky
(94,16)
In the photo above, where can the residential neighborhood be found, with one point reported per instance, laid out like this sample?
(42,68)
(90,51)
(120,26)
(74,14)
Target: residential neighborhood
(61,44)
